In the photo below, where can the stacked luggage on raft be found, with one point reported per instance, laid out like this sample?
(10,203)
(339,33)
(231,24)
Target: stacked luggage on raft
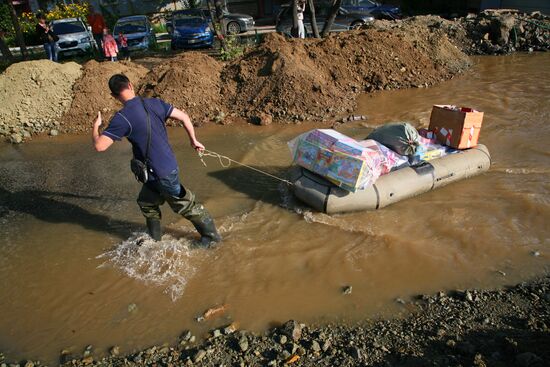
(336,174)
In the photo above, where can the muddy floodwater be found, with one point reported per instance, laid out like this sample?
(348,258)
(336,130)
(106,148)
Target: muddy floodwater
(71,273)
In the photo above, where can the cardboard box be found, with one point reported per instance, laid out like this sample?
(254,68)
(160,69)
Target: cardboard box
(456,127)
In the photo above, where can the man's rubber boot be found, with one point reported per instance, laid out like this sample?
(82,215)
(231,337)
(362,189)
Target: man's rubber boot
(153,227)
(204,224)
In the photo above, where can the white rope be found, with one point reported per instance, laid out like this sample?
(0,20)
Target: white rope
(225,162)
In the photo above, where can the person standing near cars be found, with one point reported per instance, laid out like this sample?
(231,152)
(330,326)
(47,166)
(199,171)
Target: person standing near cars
(96,21)
(142,122)
(47,37)
(301,6)
(110,46)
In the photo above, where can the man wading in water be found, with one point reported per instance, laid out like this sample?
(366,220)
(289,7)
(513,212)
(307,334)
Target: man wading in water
(163,183)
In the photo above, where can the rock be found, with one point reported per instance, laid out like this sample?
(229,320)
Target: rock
(527,359)
(87,360)
(326,345)
(355,353)
(29,364)
(262,119)
(315,346)
(243,343)
(468,296)
(230,329)
(16,138)
(292,329)
(54,132)
(114,351)
(282,339)
(535,253)
(186,335)
(347,289)
(199,355)
(216,333)
(132,307)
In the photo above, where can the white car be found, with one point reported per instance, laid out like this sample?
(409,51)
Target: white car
(74,37)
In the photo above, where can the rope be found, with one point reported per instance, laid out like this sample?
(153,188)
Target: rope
(225,162)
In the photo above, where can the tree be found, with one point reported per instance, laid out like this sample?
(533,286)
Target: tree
(294,30)
(6,53)
(17,27)
(313,19)
(330,17)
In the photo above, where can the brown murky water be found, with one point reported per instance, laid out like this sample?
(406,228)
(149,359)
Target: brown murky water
(71,274)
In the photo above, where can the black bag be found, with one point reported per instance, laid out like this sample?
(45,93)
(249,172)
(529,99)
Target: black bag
(139,168)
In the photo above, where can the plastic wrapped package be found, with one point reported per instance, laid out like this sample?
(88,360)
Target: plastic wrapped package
(401,137)
(337,157)
(389,160)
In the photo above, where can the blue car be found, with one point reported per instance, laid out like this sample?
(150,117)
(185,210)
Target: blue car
(191,29)
(378,11)
(138,30)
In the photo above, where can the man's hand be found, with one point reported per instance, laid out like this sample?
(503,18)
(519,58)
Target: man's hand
(101,142)
(197,145)
(98,121)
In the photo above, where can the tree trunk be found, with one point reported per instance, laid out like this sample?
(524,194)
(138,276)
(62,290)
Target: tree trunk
(330,17)
(216,22)
(6,53)
(313,19)
(294,30)
(18,33)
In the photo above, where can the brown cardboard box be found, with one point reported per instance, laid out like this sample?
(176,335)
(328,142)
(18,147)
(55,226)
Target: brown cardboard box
(456,127)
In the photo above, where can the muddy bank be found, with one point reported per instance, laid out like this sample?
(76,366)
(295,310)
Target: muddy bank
(91,93)
(34,95)
(508,327)
(287,80)
(190,81)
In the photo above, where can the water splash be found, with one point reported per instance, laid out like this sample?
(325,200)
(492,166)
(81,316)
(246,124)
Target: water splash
(167,263)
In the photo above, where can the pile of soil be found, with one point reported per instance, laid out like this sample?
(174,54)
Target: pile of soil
(497,32)
(191,82)
(317,79)
(34,95)
(91,93)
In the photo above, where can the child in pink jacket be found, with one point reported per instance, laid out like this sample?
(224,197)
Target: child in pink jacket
(109,45)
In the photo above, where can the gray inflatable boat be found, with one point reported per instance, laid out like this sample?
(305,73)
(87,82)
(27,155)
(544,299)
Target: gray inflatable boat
(395,186)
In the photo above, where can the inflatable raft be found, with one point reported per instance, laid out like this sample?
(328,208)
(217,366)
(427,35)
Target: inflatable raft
(395,186)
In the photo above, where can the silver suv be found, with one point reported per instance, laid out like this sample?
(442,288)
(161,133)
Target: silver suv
(74,37)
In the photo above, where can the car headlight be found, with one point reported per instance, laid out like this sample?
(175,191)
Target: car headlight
(84,40)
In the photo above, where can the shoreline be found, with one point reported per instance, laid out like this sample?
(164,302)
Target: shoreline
(502,327)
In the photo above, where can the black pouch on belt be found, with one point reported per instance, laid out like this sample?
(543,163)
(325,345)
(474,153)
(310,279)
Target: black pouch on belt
(140,168)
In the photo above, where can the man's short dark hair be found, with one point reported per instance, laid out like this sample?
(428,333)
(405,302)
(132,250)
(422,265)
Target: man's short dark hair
(118,83)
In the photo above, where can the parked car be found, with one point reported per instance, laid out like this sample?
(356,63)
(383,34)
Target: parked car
(191,29)
(232,22)
(138,31)
(344,20)
(74,37)
(379,11)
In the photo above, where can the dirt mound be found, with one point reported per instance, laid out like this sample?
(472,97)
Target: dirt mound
(34,95)
(91,93)
(317,79)
(190,81)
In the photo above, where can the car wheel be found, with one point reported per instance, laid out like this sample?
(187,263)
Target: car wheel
(357,24)
(233,28)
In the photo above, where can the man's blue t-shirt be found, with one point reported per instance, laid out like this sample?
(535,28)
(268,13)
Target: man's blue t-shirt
(131,122)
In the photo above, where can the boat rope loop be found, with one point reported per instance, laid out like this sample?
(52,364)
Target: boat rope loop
(225,162)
